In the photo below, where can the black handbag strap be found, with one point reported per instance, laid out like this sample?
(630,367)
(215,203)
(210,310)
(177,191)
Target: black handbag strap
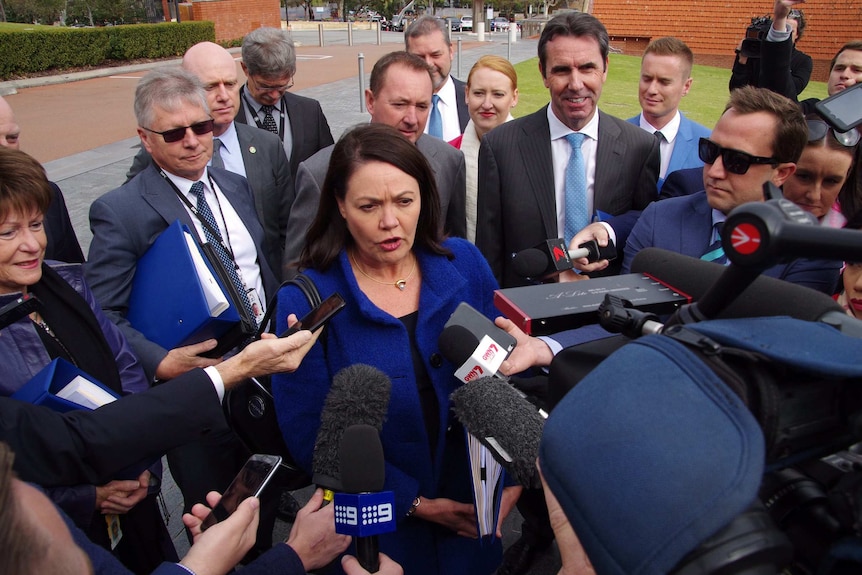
(305,285)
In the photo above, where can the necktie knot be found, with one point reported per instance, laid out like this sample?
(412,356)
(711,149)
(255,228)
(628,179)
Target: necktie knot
(198,191)
(659,136)
(575,139)
(267,109)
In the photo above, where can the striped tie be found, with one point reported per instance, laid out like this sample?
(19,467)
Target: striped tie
(715,253)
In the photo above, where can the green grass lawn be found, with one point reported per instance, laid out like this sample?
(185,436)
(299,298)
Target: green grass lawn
(14,27)
(703,104)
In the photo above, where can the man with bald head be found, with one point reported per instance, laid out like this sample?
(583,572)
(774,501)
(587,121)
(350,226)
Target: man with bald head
(255,154)
(62,243)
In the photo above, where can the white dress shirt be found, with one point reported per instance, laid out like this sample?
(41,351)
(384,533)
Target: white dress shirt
(670,130)
(448,107)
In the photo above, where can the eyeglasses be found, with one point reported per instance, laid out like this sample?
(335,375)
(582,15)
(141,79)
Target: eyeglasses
(735,161)
(265,88)
(817,130)
(177,134)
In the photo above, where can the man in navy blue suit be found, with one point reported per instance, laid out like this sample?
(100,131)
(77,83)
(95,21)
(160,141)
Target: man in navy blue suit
(665,79)
(758,139)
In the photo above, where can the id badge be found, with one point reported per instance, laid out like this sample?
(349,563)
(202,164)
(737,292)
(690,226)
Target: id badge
(256,305)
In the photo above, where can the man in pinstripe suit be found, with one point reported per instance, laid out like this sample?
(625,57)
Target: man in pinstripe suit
(522,163)
(521,200)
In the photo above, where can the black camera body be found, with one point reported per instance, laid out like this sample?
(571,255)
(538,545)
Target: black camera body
(755,34)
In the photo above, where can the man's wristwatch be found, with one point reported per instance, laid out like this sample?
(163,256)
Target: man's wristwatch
(413,507)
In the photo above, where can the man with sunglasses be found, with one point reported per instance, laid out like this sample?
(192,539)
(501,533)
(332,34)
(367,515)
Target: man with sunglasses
(269,63)
(757,139)
(255,154)
(175,127)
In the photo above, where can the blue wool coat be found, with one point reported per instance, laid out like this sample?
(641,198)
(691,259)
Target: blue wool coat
(362,333)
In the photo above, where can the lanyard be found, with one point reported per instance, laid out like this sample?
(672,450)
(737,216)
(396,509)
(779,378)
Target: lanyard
(215,232)
(254,114)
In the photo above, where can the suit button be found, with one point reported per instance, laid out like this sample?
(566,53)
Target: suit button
(436,360)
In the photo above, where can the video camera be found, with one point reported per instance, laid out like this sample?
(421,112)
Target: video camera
(755,34)
(807,515)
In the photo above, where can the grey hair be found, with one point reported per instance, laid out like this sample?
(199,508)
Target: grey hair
(427,25)
(269,52)
(167,88)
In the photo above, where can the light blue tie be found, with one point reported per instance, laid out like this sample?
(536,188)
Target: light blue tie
(715,253)
(435,123)
(576,189)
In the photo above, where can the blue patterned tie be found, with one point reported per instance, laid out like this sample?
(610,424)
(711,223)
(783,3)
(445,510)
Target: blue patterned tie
(435,123)
(577,217)
(213,236)
(715,253)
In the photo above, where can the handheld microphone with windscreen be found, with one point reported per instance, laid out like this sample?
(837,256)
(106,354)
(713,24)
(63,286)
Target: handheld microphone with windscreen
(503,421)
(551,258)
(359,395)
(362,509)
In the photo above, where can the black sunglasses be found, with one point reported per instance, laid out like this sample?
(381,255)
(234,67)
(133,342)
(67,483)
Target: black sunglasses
(177,134)
(817,130)
(735,161)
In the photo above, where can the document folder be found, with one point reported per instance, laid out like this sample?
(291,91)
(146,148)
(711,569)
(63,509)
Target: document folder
(169,303)
(61,378)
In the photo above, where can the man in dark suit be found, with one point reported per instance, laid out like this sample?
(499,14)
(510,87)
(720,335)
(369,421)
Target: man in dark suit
(255,154)
(428,38)
(175,127)
(269,63)
(522,164)
(758,139)
(399,95)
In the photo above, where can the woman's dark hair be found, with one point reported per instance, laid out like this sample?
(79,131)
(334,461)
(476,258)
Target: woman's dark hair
(328,234)
(24,187)
(850,196)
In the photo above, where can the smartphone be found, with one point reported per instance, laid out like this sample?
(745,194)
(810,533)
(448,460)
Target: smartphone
(251,480)
(15,310)
(844,109)
(315,319)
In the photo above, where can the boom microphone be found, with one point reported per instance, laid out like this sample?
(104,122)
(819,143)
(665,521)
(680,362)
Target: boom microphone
(507,424)
(363,510)
(551,257)
(359,395)
(766,296)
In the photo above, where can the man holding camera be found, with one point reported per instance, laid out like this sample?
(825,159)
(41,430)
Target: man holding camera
(752,55)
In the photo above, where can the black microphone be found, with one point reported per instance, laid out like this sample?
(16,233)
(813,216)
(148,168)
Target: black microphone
(765,296)
(507,424)
(551,257)
(359,395)
(362,510)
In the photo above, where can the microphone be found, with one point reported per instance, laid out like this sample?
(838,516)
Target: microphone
(359,395)
(765,296)
(551,257)
(363,510)
(503,421)
(472,341)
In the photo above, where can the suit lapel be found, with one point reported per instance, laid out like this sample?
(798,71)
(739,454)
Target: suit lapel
(535,148)
(609,152)
(157,192)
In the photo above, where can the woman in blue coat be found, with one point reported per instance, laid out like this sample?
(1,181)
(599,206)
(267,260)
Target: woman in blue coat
(376,241)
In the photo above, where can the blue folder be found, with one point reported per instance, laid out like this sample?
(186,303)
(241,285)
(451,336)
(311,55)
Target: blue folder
(167,303)
(43,386)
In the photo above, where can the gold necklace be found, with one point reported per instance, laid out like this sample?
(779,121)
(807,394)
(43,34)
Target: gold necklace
(400,284)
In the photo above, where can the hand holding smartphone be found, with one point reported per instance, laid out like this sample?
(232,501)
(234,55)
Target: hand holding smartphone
(251,480)
(317,317)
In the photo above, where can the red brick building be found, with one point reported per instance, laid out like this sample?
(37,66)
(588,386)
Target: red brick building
(713,28)
(233,19)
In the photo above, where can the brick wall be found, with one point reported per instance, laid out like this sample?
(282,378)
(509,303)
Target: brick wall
(713,28)
(234,19)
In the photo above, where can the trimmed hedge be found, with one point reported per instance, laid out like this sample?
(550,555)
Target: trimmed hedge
(43,48)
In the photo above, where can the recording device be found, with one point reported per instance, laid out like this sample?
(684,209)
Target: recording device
(473,343)
(552,257)
(363,510)
(317,317)
(841,110)
(506,423)
(15,310)
(359,395)
(251,480)
(755,35)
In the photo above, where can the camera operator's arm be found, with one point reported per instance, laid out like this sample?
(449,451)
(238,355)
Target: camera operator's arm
(782,69)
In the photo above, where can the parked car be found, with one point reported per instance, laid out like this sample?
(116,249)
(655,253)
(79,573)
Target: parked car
(454,24)
(467,23)
(384,25)
(500,23)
